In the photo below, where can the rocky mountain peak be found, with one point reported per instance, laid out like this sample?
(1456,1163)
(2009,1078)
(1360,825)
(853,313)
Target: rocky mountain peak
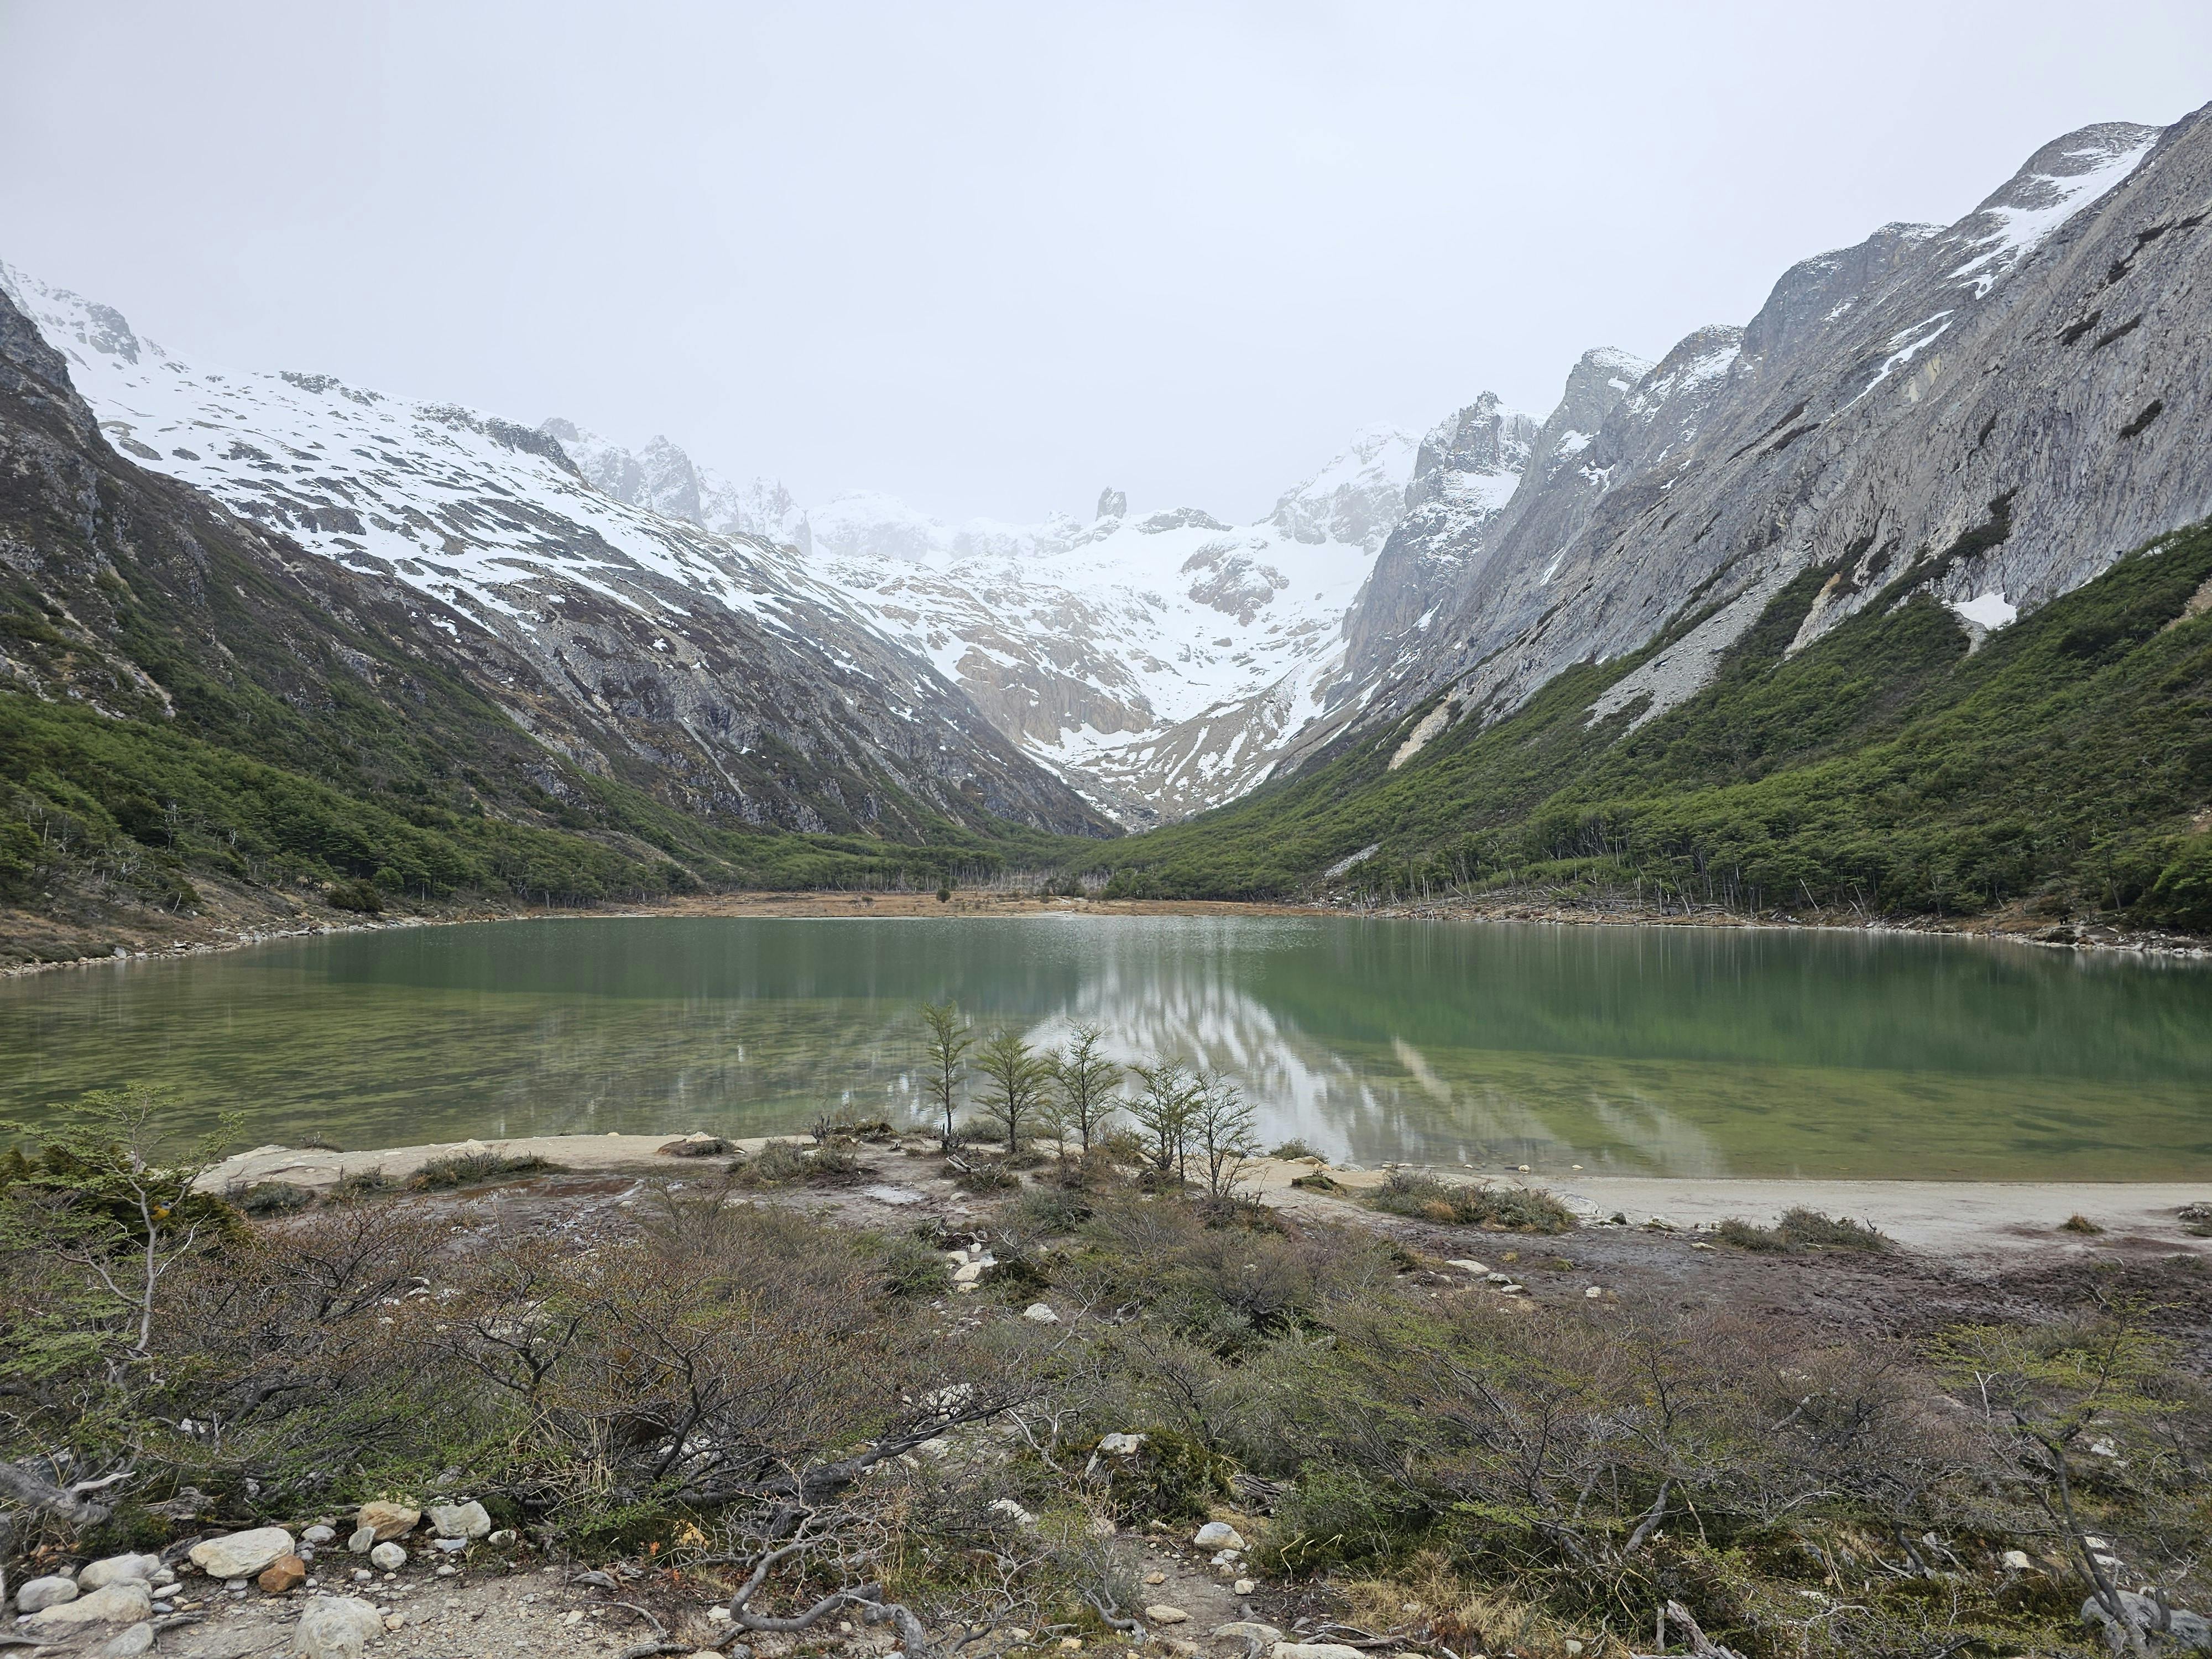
(1112,503)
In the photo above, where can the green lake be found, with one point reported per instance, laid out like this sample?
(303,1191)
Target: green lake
(1673,1051)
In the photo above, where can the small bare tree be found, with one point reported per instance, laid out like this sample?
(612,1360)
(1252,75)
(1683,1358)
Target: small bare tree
(1222,1128)
(1163,1111)
(1085,1080)
(946,1045)
(1016,1092)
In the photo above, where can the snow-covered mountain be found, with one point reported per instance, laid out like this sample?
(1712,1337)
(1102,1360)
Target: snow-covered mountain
(716,668)
(1161,662)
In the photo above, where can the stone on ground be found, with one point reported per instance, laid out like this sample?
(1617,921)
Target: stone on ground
(1315,1650)
(115,1568)
(1161,1613)
(37,1594)
(123,1603)
(127,1645)
(241,1555)
(1238,1629)
(1040,1313)
(387,1557)
(1218,1536)
(387,1520)
(286,1572)
(335,1627)
(467,1520)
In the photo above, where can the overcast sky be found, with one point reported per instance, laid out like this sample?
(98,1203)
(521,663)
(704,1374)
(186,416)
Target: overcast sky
(990,258)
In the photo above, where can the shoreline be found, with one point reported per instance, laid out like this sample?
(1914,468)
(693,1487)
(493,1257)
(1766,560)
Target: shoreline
(1962,1221)
(834,905)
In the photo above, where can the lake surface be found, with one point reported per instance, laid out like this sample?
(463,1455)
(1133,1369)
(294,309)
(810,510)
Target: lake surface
(1626,1050)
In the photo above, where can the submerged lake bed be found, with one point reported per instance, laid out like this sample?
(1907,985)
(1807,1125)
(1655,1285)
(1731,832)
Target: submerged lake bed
(1622,1050)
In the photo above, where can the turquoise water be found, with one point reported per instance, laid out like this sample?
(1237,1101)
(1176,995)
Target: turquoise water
(1628,1050)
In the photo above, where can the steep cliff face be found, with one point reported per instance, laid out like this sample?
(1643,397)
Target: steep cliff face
(1161,662)
(711,670)
(1993,411)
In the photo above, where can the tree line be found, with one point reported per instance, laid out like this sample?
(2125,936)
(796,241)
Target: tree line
(1189,1123)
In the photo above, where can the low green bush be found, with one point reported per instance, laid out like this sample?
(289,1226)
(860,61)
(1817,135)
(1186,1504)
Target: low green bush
(473,1169)
(1801,1229)
(1515,1209)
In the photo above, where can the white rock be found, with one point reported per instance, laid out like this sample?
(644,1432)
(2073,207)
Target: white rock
(968,1272)
(1593,1293)
(1245,1587)
(361,1539)
(115,1569)
(459,1520)
(242,1554)
(2017,1561)
(1315,1650)
(718,1614)
(1467,1265)
(1162,1613)
(1013,1511)
(387,1557)
(1217,1535)
(1040,1313)
(1122,1445)
(1237,1630)
(335,1627)
(123,1604)
(127,1645)
(502,1539)
(37,1594)
(318,1536)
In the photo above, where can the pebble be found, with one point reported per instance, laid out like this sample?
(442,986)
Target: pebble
(363,1540)
(1040,1313)
(1467,1265)
(1164,1612)
(1593,1293)
(139,1638)
(1244,1587)
(1217,1535)
(318,1535)
(1013,1511)
(2017,1561)
(390,1558)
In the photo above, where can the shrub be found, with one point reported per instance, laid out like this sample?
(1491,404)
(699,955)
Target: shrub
(1294,1148)
(358,896)
(910,1268)
(1802,1229)
(1047,1211)
(2078,1223)
(473,1169)
(273,1197)
(360,1184)
(781,1163)
(1515,1209)
(986,1175)
(1172,1476)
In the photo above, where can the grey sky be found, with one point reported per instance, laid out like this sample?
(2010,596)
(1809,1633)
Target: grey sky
(989,258)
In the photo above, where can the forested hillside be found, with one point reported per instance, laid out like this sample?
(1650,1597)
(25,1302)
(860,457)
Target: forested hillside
(1904,762)
(186,700)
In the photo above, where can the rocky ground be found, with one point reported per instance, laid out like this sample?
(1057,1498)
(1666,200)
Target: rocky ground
(487,1593)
